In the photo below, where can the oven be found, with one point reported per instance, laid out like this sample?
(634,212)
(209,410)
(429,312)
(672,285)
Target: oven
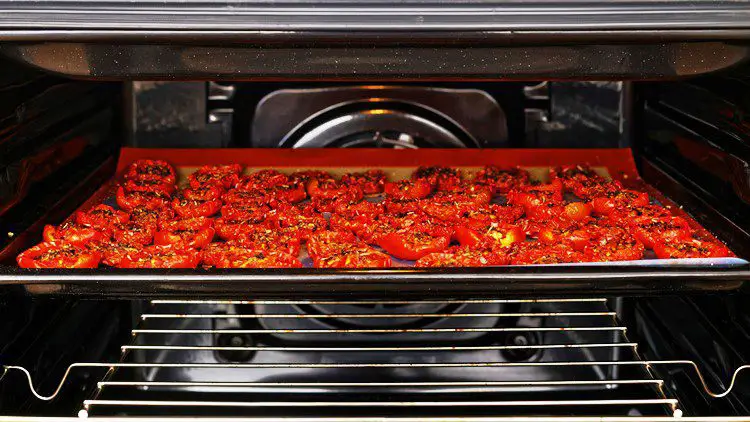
(654,93)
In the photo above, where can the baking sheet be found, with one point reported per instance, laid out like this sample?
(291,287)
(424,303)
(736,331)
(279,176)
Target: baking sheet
(612,163)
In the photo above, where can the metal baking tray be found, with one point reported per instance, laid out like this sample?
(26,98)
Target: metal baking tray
(647,275)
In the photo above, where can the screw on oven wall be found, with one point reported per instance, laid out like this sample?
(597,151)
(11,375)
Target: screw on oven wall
(237,343)
(519,341)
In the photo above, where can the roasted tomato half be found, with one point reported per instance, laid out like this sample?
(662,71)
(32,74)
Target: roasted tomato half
(245,211)
(160,256)
(263,179)
(564,232)
(408,189)
(230,255)
(574,176)
(151,217)
(74,234)
(193,233)
(613,201)
(232,229)
(299,223)
(449,207)
(149,185)
(133,233)
(114,252)
(412,244)
(189,208)
(346,196)
(269,240)
(401,206)
(653,231)
(370,182)
(440,178)
(223,177)
(625,215)
(535,253)
(594,188)
(610,243)
(326,243)
(341,250)
(202,193)
(501,180)
(536,199)
(131,200)
(151,170)
(58,255)
(492,235)
(304,177)
(691,248)
(101,217)
(464,257)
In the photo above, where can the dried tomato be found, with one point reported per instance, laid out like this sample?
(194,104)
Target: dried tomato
(151,170)
(131,200)
(101,217)
(73,234)
(408,189)
(229,255)
(440,178)
(501,180)
(691,248)
(58,255)
(370,182)
(653,231)
(220,176)
(162,256)
(412,245)
(188,208)
(464,257)
(613,201)
(133,233)
(191,232)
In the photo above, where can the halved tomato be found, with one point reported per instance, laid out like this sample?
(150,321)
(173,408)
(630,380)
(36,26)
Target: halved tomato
(691,248)
(149,185)
(653,231)
(202,193)
(220,176)
(133,233)
(263,179)
(162,256)
(501,180)
(231,255)
(460,256)
(74,234)
(572,177)
(613,201)
(58,255)
(151,217)
(535,253)
(193,233)
(151,170)
(412,245)
(101,217)
(267,239)
(494,235)
(245,211)
(609,243)
(129,201)
(371,182)
(299,223)
(439,177)
(408,189)
(188,208)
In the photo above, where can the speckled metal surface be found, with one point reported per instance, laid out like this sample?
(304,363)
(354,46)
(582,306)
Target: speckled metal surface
(374,62)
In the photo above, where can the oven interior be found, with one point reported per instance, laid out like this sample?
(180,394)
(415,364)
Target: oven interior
(341,355)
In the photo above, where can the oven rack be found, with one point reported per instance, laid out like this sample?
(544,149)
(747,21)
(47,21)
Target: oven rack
(171,370)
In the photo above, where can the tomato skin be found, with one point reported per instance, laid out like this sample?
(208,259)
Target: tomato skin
(440,178)
(652,231)
(101,217)
(160,256)
(463,257)
(577,211)
(134,233)
(495,236)
(73,234)
(408,189)
(131,200)
(58,255)
(371,182)
(412,245)
(502,181)
(151,170)
(187,208)
(149,185)
(691,248)
(606,205)
(222,177)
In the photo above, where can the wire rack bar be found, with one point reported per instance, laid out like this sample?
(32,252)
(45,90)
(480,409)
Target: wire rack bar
(368,302)
(382,349)
(392,316)
(377,384)
(375,330)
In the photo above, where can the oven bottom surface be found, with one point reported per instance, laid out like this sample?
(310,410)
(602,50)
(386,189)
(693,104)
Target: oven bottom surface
(379,359)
